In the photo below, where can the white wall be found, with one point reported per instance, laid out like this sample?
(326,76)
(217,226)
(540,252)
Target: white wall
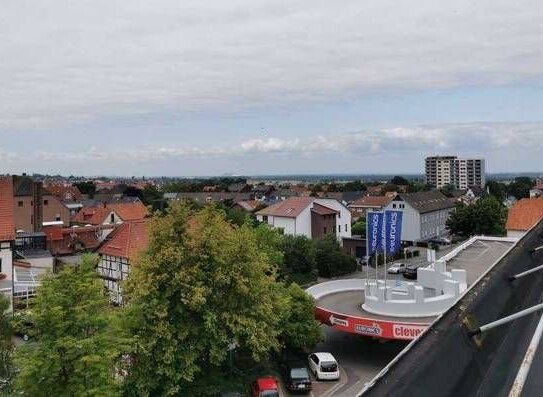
(6,255)
(303,222)
(516,233)
(116,219)
(287,224)
(410,220)
(343,219)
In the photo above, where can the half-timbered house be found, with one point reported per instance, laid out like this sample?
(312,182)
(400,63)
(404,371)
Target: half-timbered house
(119,252)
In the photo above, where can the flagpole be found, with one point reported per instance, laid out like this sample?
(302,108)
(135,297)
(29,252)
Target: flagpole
(385,250)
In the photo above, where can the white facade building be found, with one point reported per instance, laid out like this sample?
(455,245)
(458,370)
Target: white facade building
(424,214)
(309,216)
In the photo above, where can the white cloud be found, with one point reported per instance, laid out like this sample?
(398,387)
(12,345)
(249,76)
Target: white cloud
(65,61)
(473,138)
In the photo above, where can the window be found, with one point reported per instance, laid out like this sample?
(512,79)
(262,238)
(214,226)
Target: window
(20,203)
(346,228)
(339,214)
(45,202)
(325,230)
(0,265)
(112,217)
(339,228)
(57,217)
(393,205)
(265,218)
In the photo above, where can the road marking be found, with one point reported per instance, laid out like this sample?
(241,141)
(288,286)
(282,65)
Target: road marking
(343,381)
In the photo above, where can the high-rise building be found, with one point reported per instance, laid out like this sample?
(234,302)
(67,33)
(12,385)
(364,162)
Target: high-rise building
(450,170)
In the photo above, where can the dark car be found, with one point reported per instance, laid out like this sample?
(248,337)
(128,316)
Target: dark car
(296,376)
(410,271)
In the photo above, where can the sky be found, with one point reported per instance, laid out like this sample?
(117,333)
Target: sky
(245,87)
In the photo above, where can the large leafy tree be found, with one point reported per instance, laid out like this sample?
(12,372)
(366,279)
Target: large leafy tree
(77,345)
(331,260)
(203,285)
(520,187)
(487,216)
(399,180)
(299,255)
(299,329)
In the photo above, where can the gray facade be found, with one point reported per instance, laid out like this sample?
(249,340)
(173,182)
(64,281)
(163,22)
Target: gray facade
(450,170)
(425,214)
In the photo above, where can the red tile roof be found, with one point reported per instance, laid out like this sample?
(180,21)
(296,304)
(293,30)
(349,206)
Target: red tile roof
(371,201)
(248,205)
(97,215)
(525,213)
(65,193)
(130,211)
(127,240)
(289,208)
(68,241)
(91,215)
(7,223)
(323,210)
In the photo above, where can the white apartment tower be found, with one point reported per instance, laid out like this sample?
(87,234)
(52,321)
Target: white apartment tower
(450,170)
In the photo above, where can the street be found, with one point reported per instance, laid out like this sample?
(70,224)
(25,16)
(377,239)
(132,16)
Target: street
(360,359)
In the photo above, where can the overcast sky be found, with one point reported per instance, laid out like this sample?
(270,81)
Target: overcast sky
(170,87)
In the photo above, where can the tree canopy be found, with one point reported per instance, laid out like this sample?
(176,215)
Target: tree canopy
(331,260)
(76,344)
(486,216)
(520,187)
(205,285)
(399,180)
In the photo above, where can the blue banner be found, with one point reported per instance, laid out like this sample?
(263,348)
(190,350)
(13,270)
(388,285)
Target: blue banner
(393,231)
(374,232)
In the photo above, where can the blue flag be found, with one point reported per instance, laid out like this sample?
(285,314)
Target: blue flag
(374,232)
(393,231)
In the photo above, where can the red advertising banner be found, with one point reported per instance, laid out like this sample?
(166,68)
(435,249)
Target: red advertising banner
(370,327)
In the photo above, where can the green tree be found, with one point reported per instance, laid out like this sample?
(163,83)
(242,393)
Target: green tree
(6,346)
(399,180)
(299,329)
(354,186)
(331,260)
(151,194)
(497,189)
(487,216)
(359,228)
(88,188)
(202,285)
(77,345)
(520,187)
(299,257)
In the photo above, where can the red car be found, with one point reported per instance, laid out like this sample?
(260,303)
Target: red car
(265,387)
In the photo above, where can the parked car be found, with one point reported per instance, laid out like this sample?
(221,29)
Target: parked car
(296,376)
(396,268)
(265,387)
(23,326)
(410,271)
(324,366)
(440,240)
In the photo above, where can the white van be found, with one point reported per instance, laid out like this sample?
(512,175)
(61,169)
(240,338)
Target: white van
(324,366)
